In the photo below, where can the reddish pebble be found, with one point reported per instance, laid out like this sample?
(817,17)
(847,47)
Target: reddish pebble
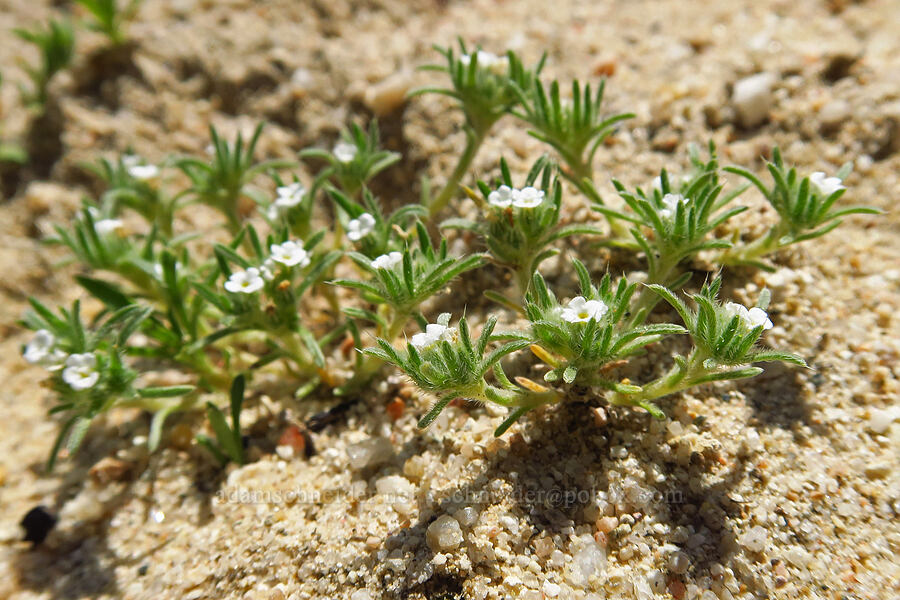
(677,589)
(293,437)
(395,408)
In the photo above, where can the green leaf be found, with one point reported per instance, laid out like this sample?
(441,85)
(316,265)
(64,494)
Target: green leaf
(432,414)
(312,346)
(728,375)
(224,435)
(156,425)
(165,392)
(514,416)
(108,293)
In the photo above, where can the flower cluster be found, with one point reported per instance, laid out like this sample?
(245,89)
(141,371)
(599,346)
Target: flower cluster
(79,370)
(360,227)
(434,332)
(42,350)
(505,196)
(291,253)
(287,197)
(387,261)
(751,318)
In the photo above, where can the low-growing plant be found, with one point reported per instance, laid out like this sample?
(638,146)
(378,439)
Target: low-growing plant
(225,179)
(485,87)
(805,208)
(250,299)
(56,46)
(520,224)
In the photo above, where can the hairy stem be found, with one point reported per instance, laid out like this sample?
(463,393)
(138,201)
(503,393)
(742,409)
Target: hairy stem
(758,248)
(474,139)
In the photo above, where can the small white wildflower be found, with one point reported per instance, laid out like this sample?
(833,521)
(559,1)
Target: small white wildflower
(344,151)
(290,195)
(143,172)
(41,350)
(528,197)
(245,282)
(387,261)
(105,227)
(502,197)
(670,205)
(752,318)
(81,371)
(434,332)
(580,310)
(825,185)
(487,60)
(290,253)
(360,227)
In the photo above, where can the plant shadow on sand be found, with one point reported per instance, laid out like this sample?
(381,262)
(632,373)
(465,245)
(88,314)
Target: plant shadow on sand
(550,473)
(77,561)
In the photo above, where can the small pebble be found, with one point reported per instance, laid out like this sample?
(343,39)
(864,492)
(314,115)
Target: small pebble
(444,534)
(369,453)
(752,99)
(755,539)
(389,94)
(550,589)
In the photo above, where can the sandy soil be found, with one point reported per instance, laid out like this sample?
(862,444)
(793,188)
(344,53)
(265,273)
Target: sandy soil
(785,486)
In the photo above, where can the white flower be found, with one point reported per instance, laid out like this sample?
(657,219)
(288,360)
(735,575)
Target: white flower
(752,318)
(527,197)
(41,350)
(670,205)
(344,151)
(143,172)
(501,197)
(580,310)
(433,333)
(360,227)
(290,195)
(246,282)
(387,261)
(107,226)
(825,185)
(487,60)
(81,371)
(290,253)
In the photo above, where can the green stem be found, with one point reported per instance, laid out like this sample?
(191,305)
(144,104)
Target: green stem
(647,299)
(580,172)
(678,378)
(474,139)
(752,252)
(296,351)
